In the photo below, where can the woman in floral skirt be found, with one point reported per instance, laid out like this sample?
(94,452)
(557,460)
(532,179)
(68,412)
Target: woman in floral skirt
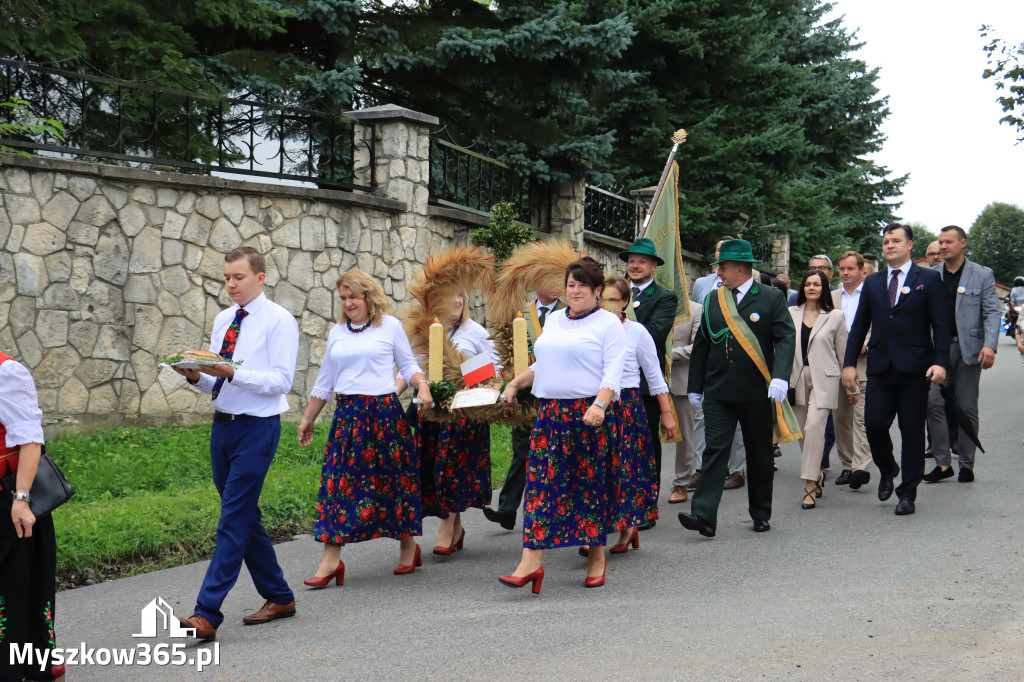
(369,487)
(634,480)
(455,457)
(576,377)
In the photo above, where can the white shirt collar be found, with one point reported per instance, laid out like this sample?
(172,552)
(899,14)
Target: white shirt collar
(903,269)
(855,291)
(742,289)
(643,286)
(254,305)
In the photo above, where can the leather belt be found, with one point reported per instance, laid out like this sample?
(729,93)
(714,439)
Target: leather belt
(228,417)
(954,339)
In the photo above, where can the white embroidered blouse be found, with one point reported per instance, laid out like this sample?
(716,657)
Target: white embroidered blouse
(363,363)
(641,354)
(19,405)
(577,358)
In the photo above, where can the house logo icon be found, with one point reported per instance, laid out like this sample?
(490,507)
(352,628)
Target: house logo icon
(157,615)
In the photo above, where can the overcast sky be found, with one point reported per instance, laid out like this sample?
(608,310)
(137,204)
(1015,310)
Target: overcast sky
(944,127)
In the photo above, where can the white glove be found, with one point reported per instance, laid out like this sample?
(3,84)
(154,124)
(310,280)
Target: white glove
(695,399)
(778,389)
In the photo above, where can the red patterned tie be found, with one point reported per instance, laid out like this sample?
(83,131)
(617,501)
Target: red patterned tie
(227,349)
(893,287)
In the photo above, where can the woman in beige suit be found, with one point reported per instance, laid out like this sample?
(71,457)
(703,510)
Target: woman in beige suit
(817,368)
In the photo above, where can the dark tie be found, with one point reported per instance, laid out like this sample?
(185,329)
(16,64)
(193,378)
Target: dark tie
(636,293)
(735,294)
(227,349)
(543,315)
(893,288)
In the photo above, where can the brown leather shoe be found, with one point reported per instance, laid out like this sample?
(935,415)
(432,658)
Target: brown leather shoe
(733,481)
(270,611)
(202,626)
(678,495)
(694,481)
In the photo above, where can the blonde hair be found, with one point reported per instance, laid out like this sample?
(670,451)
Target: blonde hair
(364,286)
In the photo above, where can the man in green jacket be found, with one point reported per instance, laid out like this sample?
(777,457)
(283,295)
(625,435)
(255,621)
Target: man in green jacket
(654,307)
(727,371)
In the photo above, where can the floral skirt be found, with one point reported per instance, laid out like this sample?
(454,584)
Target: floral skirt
(567,476)
(634,486)
(455,466)
(369,486)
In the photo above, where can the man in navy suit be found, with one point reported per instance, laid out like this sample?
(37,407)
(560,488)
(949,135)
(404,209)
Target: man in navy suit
(904,306)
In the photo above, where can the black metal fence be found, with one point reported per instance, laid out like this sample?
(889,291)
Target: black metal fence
(147,125)
(462,178)
(612,215)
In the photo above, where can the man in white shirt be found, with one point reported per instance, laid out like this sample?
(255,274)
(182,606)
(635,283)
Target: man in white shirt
(248,399)
(851,438)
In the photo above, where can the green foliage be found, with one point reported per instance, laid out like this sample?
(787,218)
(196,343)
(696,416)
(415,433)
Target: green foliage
(504,234)
(922,238)
(24,124)
(781,120)
(146,495)
(441,390)
(997,240)
(1006,67)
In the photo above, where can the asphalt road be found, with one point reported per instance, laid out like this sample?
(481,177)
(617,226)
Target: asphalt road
(847,591)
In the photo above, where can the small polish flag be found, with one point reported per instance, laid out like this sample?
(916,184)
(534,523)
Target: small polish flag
(477,369)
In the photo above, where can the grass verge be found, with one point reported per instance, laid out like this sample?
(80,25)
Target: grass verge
(144,497)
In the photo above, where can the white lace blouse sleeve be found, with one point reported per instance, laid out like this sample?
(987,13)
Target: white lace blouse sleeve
(647,354)
(324,386)
(19,405)
(404,358)
(614,356)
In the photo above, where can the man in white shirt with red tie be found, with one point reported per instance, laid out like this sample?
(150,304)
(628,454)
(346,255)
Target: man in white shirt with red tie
(248,399)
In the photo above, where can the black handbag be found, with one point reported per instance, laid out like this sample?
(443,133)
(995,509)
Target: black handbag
(50,489)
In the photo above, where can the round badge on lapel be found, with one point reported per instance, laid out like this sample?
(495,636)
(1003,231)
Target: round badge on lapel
(905,290)
(960,290)
(636,304)
(754,317)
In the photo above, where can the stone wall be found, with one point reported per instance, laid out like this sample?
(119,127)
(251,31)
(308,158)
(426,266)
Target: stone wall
(104,269)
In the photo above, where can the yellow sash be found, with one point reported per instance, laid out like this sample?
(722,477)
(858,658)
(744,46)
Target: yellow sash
(787,427)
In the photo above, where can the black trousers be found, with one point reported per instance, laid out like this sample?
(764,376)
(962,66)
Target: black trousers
(653,411)
(28,583)
(720,419)
(511,495)
(905,395)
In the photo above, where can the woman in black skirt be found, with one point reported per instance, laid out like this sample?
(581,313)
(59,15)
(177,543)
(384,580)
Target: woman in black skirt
(28,547)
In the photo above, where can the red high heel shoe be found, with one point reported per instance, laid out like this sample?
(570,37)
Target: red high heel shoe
(339,574)
(417,561)
(634,540)
(596,581)
(456,544)
(537,578)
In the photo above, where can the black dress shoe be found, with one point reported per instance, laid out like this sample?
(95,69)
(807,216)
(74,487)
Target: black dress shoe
(859,478)
(966,475)
(506,519)
(843,478)
(905,507)
(761,526)
(647,525)
(776,450)
(885,486)
(937,474)
(694,522)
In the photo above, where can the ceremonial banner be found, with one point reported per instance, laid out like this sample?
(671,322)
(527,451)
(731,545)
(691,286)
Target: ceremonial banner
(663,230)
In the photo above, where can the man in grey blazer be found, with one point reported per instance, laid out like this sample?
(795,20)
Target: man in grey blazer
(703,286)
(974,306)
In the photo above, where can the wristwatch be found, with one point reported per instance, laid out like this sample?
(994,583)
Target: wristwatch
(600,403)
(24,497)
